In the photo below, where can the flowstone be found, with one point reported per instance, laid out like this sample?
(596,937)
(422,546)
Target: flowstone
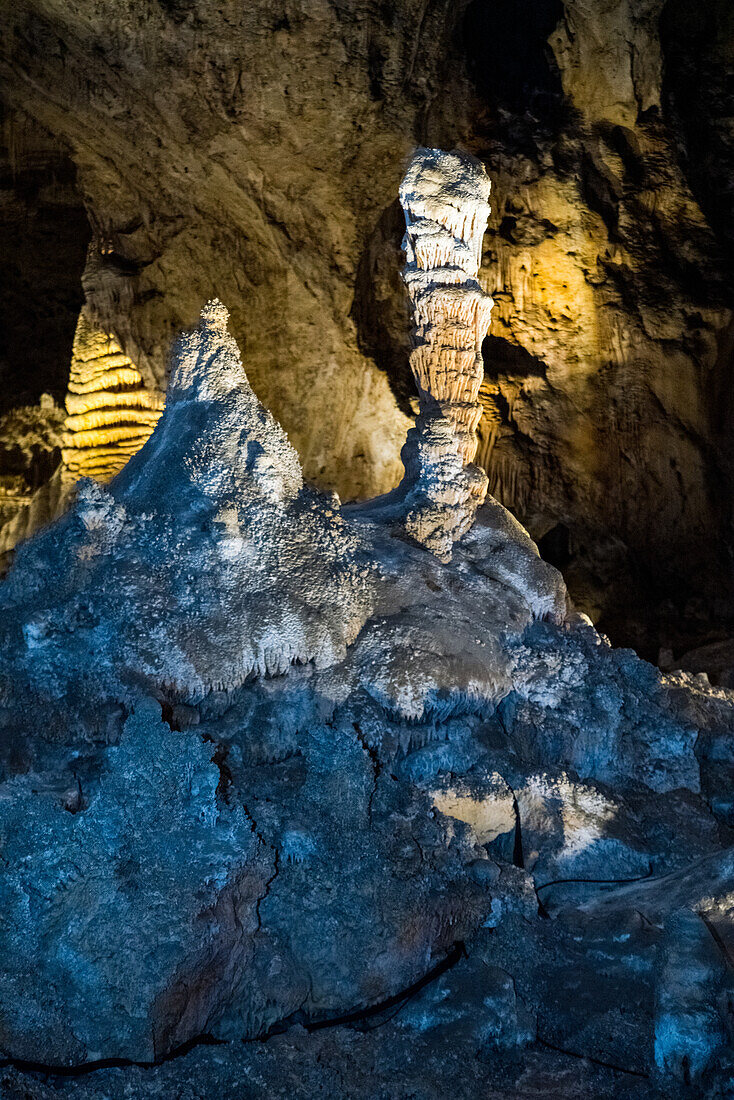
(269,764)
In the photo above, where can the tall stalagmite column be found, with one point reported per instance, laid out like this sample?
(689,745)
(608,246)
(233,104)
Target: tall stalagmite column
(444,196)
(110,412)
(445,199)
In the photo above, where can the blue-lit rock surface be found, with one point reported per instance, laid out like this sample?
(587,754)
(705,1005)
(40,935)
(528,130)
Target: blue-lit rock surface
(267,762)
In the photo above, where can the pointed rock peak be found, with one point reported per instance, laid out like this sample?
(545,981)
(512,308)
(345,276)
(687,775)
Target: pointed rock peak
(215,315)
(205,361)
(215,444)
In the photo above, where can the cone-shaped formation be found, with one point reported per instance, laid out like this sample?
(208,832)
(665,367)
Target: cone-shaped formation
(110,412)
(211,515)
(445,199)
(216,445)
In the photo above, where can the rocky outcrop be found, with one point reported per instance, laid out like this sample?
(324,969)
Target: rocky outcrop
(213,579)
(267,764)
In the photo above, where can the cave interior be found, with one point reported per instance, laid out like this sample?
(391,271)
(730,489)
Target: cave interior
(198,572)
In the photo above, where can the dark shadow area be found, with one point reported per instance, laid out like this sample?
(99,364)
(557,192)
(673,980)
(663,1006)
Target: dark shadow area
(45,234)
(555,546)
(504,359)
(698,102)
(509,61)
(380,308)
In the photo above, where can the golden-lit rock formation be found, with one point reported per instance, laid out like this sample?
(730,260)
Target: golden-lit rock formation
(445,199)
(444,196)
(110,412)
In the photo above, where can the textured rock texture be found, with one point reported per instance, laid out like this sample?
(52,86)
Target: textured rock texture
(445,199)
(255,154)
(30,446)
(110,414)
(269,769)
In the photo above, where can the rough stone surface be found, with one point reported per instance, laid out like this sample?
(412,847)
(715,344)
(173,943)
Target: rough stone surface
(270,770)
(110,414)
(445,200)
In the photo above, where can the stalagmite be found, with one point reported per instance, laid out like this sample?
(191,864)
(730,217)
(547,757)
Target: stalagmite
(444,196)
(110,413)
(445,199)
(264,760)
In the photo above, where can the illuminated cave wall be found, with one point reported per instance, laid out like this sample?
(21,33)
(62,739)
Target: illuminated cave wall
(255,154)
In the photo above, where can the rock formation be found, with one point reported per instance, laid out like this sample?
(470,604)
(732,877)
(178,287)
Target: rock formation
(357,780)
(110,412)
(444,196)
(30,444)
(445,199)
(607,421)
(268,765)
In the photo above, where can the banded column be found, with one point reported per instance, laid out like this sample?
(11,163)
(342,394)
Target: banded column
(445,197)
(110,414)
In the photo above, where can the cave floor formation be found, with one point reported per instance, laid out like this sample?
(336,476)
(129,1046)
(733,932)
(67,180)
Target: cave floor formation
(293,805)
(375,1062)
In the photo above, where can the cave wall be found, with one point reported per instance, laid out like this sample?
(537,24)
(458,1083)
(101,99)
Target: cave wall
(45,233)
(255,152)
(242,152)
(615,419)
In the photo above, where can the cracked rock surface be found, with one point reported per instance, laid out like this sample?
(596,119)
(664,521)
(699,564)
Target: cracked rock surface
(271,770)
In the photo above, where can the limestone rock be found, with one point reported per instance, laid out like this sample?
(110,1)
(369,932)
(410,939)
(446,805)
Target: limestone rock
(152,847)
(445,199)
(440,495)
(110,414)
(606,131)
(267,763)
